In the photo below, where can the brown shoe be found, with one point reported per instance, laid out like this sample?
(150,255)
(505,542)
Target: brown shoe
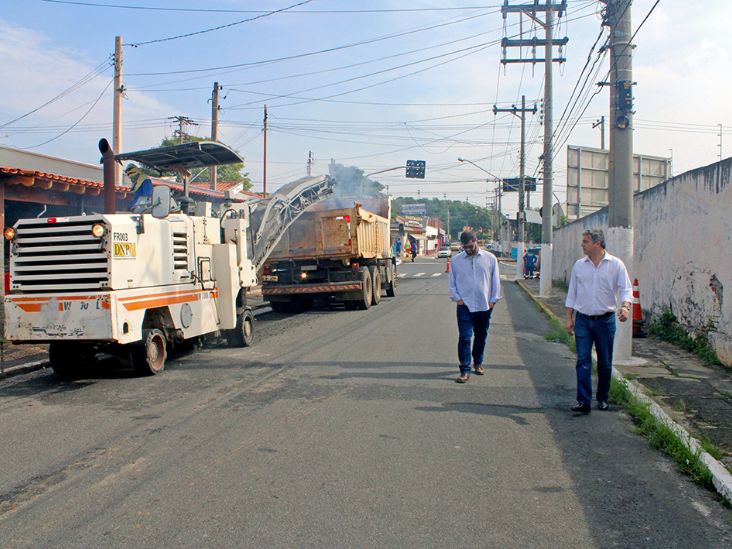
(462,378)
(479,370)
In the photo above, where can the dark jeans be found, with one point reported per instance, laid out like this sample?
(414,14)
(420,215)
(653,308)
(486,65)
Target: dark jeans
(472,326)
(601,332)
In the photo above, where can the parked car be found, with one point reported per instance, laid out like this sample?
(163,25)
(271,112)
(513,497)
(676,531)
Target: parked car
(444,252)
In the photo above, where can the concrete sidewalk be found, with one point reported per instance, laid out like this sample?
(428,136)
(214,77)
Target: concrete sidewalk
(694,394)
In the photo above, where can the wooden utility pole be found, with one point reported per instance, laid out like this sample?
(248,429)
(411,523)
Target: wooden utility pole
(182,121)
(119,90)
(213,175)
(310,162)
(264,163)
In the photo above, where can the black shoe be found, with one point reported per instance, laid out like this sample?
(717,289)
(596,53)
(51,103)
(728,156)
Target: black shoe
(581,408)
(602,405)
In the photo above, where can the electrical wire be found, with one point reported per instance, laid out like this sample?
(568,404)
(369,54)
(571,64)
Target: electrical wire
(228,25)
(75,123)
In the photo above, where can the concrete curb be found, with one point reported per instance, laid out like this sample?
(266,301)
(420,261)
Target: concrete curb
(721,477)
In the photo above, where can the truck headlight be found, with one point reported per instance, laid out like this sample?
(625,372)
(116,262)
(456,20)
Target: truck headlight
(9,233)
(98,230)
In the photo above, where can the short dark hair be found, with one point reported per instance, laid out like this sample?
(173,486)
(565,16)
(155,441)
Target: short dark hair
(596,235)
(467,236)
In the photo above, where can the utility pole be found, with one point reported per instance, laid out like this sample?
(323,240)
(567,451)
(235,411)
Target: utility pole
(182,121)
(213,176)
(521,113)
(532,10)
(620,208)
(601,123)
(264,163)
(310,162)
(119,91)
(720,141)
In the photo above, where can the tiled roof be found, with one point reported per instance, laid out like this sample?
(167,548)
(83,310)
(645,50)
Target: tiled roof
(31,175)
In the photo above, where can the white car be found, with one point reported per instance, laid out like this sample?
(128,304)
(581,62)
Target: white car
(444,252)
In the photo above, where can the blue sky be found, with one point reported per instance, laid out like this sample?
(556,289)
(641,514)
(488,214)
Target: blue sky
(416,80)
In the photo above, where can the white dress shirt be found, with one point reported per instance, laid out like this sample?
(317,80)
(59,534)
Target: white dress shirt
(474,279)
(593,290)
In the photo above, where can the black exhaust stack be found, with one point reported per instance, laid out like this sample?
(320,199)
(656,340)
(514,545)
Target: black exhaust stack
(110,176)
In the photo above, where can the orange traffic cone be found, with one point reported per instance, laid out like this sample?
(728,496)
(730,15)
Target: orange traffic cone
(447,265)
(637,311)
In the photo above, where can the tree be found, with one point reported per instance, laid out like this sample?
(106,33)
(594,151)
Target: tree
(462,214)
(227,173)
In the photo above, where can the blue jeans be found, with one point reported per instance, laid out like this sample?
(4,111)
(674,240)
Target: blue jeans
(472,326)
(601,332)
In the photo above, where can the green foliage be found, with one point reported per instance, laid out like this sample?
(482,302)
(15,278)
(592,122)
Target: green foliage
(660,435)
(558,333)
(227,173)
(668,328)
(462,214)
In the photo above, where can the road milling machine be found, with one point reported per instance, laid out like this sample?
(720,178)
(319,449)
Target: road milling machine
(134,284)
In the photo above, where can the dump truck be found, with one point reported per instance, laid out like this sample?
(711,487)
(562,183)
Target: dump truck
(135,284)
(338,250)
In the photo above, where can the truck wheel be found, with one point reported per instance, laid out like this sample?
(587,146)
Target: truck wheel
(148,356)
(68,358)
(367,289)
(243,334)
(376,281)
(391,283)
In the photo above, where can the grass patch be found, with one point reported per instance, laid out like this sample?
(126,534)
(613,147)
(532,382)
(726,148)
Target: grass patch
(558,332)
(667,327)
(661,436)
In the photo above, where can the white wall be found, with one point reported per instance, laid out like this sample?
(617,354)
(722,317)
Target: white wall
(683,250)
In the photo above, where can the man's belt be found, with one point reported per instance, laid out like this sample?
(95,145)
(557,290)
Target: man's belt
(596,317)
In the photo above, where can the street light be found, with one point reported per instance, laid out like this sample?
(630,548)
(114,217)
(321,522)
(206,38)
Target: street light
(500,194)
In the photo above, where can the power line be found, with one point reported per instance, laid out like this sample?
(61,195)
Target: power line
(189,34)
(75,123)
(99,69)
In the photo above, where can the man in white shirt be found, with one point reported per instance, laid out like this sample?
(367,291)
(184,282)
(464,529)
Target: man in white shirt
(475,287)
(594,285)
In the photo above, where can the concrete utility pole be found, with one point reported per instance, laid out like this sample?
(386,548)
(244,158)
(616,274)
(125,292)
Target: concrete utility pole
(601,123)
(119,90)
(310,162)
(213,176)
(521,113)
(264,163)
(720,141)
(620,209)
(531,10)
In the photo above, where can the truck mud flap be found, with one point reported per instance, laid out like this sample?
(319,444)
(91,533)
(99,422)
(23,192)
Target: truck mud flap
(331,287)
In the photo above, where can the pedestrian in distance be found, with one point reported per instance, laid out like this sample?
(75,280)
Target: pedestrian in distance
(596,283)
(526,264)
(475,287)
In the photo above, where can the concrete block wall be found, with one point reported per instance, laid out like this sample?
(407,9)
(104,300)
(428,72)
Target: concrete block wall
(682,250)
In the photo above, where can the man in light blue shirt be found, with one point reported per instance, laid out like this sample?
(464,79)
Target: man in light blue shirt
(596,283)
(475,286)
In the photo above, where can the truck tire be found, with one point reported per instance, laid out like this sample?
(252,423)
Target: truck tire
(148,356)
(391,282)
(367,289)
(68,358)
(243,334)
(376,282)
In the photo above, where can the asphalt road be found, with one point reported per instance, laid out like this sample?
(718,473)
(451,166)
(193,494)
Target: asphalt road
(342,429)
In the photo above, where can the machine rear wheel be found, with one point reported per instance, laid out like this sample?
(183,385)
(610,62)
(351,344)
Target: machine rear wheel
(392,282)
(148,356)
